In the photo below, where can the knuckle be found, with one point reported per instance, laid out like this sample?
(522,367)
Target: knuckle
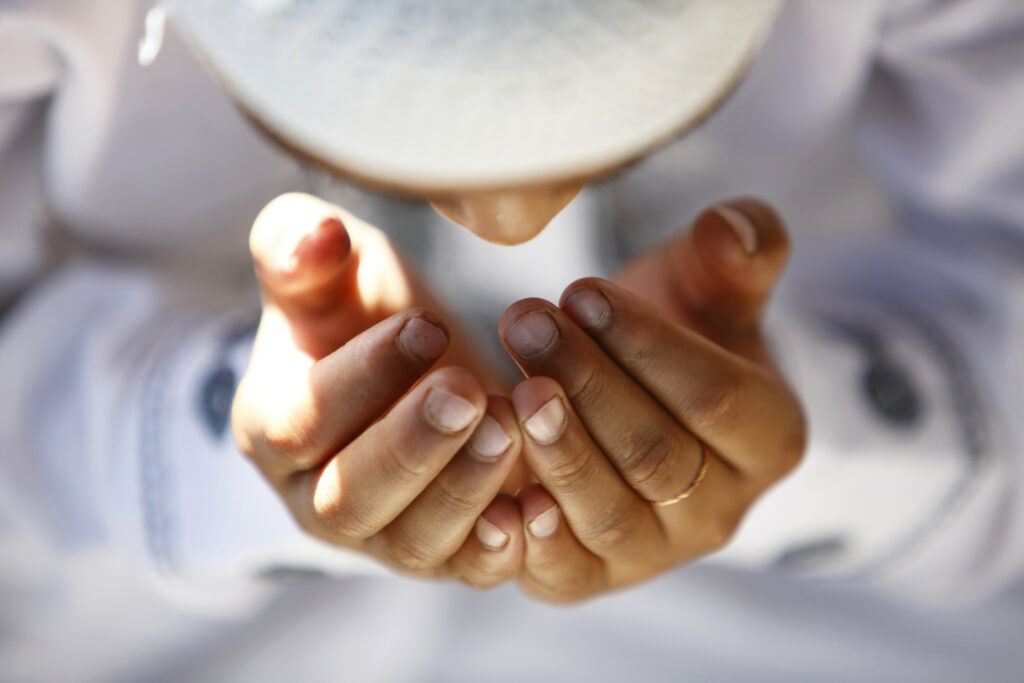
(459,499)
(483,578)
(334,512)
(411,554)
(345,524)
(571,473)
(614,529)
(794,444)
(715,403)
(287,442)
(565,590)
(483,584)
(549,581)
(286,427)
(283,437)
(720,529)
(545,567)
(404,467)
(584,388)
(478,570)
(649,463)
(479,583)
(642,354)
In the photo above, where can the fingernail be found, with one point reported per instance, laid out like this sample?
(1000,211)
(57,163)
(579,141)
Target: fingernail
(288,248)
(588,307)
(287,252)
(300,243)
(422,340)
(545,425)
(449,412)
(489,440)
(741,225)
(544,524)
(532,334)
(490,535)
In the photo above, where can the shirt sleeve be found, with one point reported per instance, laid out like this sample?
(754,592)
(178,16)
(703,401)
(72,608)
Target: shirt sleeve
(914,479)
(30,71)
(119,442)
(118,376)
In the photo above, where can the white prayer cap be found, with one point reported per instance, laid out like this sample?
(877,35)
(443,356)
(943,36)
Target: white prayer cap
(436,96)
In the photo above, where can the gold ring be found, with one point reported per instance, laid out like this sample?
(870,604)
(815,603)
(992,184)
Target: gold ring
(704,457)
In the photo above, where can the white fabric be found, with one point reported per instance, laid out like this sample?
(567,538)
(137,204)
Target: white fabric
(132,536)
(459,94)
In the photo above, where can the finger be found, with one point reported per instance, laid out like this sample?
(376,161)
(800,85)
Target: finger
(647,445)
(302,253)
(708,517)
(727,264)
(716,277)
(493,553)
(555,567)
(604,513)
(743,411)
(299,245)
(429,531)
(289,416)
(330,274)
(558,566)
(375,477)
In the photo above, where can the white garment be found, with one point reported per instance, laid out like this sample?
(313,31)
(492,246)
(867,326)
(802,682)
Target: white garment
(887,133)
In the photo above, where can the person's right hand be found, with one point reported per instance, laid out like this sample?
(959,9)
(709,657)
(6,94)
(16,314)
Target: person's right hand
(632,397)
(338,410)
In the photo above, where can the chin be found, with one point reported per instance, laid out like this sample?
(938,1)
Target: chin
(507,217)
(507,235)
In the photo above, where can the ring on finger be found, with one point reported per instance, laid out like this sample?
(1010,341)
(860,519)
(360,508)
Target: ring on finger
(692,486)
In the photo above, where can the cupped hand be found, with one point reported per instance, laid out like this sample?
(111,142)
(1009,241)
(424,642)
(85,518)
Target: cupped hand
(642,391)
(369,448)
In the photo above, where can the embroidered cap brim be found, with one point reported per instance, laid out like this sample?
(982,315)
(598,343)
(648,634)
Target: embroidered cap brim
(456,95)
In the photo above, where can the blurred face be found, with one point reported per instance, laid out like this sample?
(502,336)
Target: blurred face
(510,216)
(269,80)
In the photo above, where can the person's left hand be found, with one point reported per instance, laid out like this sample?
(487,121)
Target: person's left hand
(626,391)
(369,446)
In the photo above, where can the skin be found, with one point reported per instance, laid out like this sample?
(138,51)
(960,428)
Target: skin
(326,412)
(508,216)
(335,406)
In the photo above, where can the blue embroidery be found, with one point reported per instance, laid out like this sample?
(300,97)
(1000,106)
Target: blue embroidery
(812,555)
(217,390)
(216,395)
(890,392)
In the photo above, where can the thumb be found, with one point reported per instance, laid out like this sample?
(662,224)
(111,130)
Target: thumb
(724,269)
(307,266)
(716,277)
